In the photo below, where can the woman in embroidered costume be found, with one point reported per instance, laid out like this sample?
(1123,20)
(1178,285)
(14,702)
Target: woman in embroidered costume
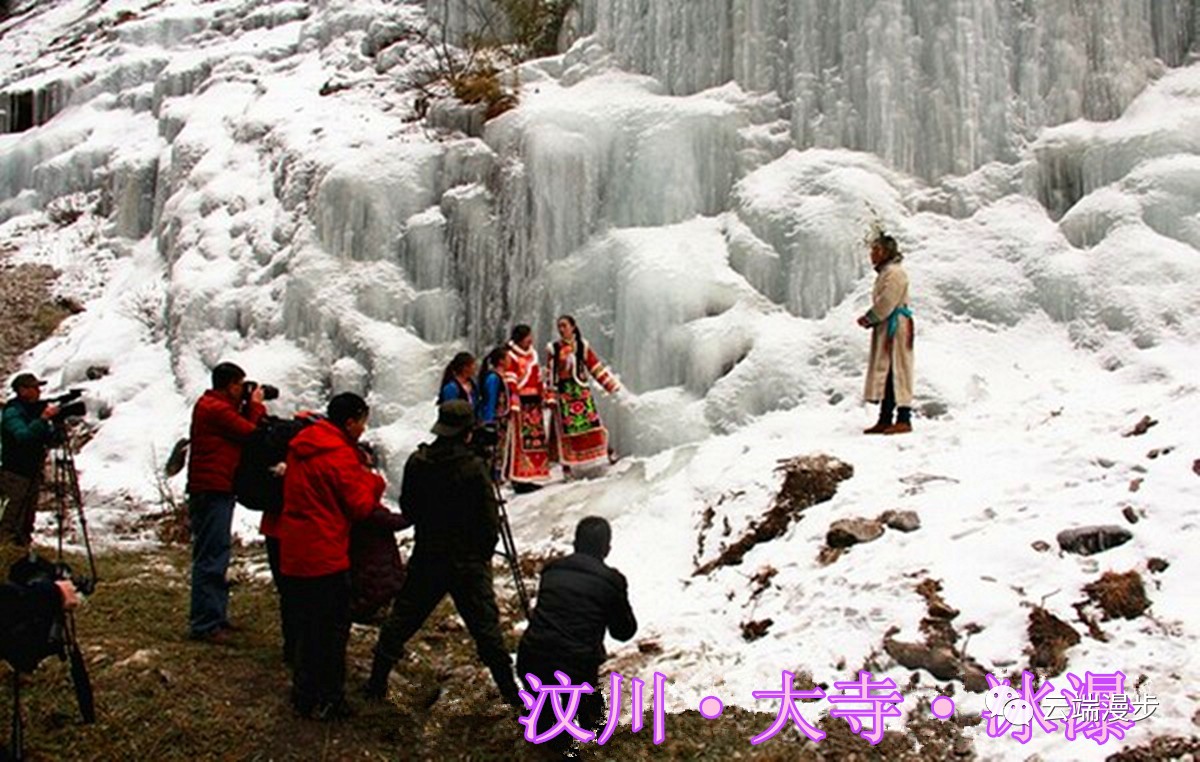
(580,439)
(890,366)
(527,451)
(458,380)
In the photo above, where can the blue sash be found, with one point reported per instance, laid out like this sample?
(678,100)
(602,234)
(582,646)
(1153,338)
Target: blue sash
(893,321)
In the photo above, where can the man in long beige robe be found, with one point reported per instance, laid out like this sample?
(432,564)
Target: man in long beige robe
(890,367)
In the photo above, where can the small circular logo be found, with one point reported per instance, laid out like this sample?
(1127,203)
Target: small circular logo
(711,707)
(942,707)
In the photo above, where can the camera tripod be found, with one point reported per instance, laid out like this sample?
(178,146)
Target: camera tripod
(506,535)
(68,500)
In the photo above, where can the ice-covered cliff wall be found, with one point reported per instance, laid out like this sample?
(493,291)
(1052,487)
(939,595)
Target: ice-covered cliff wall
(934,88)
(306,221)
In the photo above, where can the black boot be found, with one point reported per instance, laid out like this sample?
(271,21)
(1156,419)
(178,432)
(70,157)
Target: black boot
(377,684)
(503,675)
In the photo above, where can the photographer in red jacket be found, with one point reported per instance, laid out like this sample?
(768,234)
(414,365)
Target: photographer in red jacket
(327,487)
(221,421)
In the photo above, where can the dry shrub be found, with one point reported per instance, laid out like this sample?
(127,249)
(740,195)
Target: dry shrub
(481,85)
(1049,639)
(1119,596)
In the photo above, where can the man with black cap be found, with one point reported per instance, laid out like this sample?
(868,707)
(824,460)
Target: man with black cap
(449,497)
(25,433)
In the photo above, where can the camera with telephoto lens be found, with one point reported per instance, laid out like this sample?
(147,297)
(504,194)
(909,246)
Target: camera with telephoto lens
(69,406)
(269,392)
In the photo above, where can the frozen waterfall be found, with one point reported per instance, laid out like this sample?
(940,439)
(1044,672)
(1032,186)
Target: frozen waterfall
(682,214)
(934,88)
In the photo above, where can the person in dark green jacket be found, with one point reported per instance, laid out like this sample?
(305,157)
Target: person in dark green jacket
(25,433)
(448,495)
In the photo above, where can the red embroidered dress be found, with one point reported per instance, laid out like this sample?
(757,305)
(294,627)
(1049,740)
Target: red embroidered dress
(527,451)
(579,436)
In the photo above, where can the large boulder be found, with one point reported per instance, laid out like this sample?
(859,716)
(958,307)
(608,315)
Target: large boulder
(1088,541)
(846,532)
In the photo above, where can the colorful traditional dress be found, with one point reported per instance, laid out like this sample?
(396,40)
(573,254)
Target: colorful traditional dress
(527,457)
(579,436)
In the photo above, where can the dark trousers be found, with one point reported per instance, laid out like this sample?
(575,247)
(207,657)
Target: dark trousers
(469,583)
(211,517)
(20,494)
(888,405)
(591,705)
(287,617)
(321,607)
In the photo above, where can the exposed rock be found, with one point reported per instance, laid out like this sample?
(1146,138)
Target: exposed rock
(1157,451)
(940,661)
(1087,541)
(1049,639)
(1157,565)
(1130,514)
(1160,748)
(828,555)
(846,532)
(1041,546)
(138,659)
(28,314)
(752,631)
(904,521)
(1141,427)
(807,481)
(1119,595)
(762,580)
(1196,466)
(1105,462)
(939,655)
(931,591)
(933,409)
(1136,484)
(648,646)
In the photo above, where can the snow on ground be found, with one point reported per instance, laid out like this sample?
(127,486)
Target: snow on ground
(229,209)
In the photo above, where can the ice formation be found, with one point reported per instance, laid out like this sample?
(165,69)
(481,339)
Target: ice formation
(264,149)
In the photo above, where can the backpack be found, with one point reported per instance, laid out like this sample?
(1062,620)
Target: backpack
(258,483)
(178,459)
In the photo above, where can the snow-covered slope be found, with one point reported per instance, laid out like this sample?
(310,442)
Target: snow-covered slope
(250,183)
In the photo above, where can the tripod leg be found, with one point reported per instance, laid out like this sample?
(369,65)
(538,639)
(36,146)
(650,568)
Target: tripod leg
(514,564)
(17,736)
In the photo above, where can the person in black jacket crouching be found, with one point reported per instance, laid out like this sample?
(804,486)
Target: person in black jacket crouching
(578,599)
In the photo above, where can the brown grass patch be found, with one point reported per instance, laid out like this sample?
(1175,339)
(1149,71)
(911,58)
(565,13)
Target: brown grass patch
(1049,639)
(807,481)
(1119,596)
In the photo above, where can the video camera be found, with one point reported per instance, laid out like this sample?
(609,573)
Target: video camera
(69,406)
